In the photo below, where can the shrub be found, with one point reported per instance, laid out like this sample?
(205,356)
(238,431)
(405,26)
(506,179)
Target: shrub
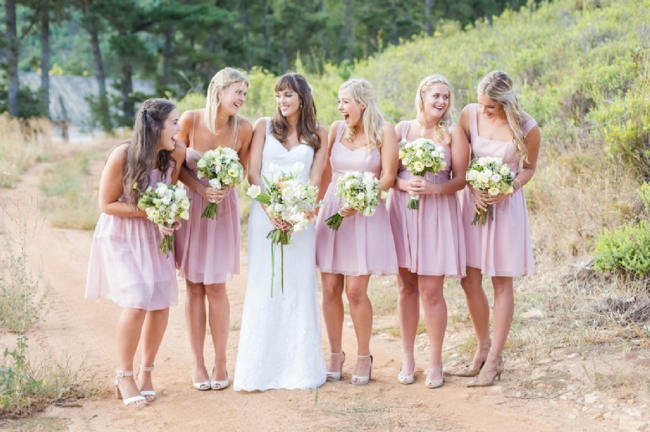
(21,298)
(625,249)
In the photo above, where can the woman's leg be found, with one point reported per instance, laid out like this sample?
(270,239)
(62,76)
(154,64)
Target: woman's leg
(129,327)
(195,318)
(155,324)
(408,306)
(333,315)
(435,318)
(219,317)
(356,289)
(479,311)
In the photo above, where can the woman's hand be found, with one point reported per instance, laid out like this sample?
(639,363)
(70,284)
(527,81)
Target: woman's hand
(491,200)
(214,195)
(277,223)
(347,211)
(165,230)
(421,186)
(480,199)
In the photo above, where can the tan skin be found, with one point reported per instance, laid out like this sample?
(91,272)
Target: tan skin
(429,289)
(492,124)
(289,104)
(136,322)
(231,99)
(356,287)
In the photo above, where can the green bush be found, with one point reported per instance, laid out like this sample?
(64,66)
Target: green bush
(625,249)
(644,196)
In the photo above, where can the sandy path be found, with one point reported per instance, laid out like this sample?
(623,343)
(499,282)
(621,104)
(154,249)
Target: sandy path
(82,330)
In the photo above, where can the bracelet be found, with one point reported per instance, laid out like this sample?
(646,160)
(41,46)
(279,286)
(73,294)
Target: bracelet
(516,184)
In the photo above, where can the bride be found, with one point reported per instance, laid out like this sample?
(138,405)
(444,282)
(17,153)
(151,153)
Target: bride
(279,342)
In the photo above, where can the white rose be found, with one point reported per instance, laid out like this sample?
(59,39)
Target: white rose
(214,183)
(254,191)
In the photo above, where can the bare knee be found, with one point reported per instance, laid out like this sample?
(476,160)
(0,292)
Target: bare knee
(216,292)
(195,289)
(472,282)
(407,284)
(332,289)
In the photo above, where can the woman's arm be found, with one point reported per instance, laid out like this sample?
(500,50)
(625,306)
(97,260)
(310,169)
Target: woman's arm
(255,155)
(389,157)
(326,177)
(320,158)
(111,188)
(245,137)
(400,184)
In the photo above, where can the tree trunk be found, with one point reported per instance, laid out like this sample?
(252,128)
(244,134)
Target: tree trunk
(348,32)
(395,35)
(127,89)
(246,24)
(167,52)
(12,57)
(101,76)
(45,58)
(428,5)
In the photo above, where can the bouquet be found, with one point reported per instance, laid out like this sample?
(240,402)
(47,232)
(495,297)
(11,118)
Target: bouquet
(287,199)
(419,157)
(358,191)
(165,205)
(222,168)
(489,174)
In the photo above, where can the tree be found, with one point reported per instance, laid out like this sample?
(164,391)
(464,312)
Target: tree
(12,57)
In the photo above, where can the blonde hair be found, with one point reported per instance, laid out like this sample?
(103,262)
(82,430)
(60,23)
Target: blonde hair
(221,80)
(441,130)
(372,119)
(497,85)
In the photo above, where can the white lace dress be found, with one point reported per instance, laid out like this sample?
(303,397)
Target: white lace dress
(279,341)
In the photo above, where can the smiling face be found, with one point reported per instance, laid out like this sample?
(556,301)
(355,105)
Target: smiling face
(169,129)
(288,102)
(351,110)
(232,98)
(489,107)
(435,101)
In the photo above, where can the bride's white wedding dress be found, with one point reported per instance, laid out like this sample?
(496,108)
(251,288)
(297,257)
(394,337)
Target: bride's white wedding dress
(279,341)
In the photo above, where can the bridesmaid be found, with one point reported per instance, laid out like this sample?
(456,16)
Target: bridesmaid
(207,250)
(429,241)
(125,263)
(363,245)
(500,249)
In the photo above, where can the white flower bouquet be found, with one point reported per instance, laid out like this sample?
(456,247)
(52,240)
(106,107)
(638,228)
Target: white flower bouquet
(287,199)
(489,174)
(222,168)
(359,191)
(419,157)
(165,205)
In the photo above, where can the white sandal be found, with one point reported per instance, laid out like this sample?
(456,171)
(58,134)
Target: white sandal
(360,379)
(434,383)
(336,376)
(201,385)
(149,395)
(137,401)
(219,385)
(406,379)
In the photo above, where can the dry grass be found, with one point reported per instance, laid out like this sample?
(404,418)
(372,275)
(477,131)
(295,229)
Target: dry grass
(23,144)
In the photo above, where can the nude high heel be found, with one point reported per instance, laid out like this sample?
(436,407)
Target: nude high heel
(336,375)
(361,379)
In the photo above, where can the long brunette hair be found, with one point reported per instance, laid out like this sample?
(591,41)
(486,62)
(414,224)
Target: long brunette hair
(144,147)
(307,126)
